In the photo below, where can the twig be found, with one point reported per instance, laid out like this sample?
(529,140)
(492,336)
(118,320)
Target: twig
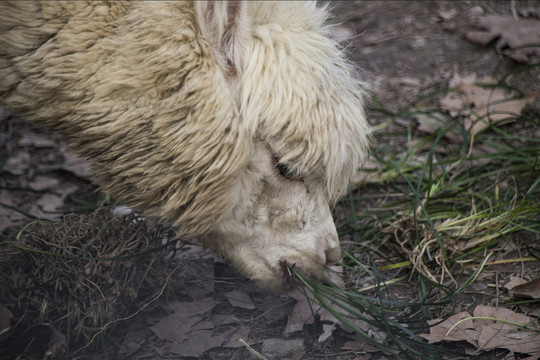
(135,313)
(252,350)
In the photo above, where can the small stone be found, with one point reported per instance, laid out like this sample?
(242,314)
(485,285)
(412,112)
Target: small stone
(475,12)
(273,349)
(448,15)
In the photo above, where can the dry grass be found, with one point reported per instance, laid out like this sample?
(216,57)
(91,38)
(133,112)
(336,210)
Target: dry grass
(73,281)
(435,218)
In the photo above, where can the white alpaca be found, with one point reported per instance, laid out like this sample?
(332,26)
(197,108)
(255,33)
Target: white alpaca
(239,122)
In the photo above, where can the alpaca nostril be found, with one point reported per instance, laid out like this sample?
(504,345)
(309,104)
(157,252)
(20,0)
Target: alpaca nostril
(329,251)
(333,254)
(333,250)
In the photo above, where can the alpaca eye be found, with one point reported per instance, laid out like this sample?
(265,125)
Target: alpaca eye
(289,172)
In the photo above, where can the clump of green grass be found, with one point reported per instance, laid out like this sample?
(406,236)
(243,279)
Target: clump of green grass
(433,215)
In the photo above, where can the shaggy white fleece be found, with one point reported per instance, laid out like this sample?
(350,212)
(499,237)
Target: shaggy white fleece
(241,123)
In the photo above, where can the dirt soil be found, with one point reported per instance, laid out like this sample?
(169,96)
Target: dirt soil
(403,48)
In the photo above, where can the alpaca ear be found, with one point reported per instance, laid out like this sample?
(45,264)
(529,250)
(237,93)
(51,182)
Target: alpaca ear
(225,25)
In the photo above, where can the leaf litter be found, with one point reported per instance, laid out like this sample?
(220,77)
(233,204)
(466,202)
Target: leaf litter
(307,310)
(192,328)
(517,38)
(529,290)
(240,299)
(480,102)
(489,328)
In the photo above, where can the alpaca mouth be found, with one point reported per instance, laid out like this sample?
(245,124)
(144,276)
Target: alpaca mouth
(290,280)
(290,273)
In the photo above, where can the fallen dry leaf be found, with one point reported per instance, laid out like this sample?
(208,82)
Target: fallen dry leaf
(489,328)
(240,299)
(481,106)
(499,334)
(307,307)
(77,165)
(301,314)
(7,209)
(241,333)
(219,319)
(36,141)
(464,331)
(517,38)
(48,206)
(199,342)
(17,164)
(40,183)
(191,326)
(530,289)
(177,325)
(513,281)
(432,122)
(190,329)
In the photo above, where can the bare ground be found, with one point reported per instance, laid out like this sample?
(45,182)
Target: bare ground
(404,48)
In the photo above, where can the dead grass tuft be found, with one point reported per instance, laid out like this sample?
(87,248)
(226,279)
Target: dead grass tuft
(74,280)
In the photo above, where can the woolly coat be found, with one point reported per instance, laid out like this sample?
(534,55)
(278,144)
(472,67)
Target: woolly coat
(176,103)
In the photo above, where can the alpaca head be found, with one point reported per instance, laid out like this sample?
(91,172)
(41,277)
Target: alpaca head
(301,111)
(239,122)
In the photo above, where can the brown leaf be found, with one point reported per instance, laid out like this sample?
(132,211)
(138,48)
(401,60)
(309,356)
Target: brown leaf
(43,183)
(513,281)
(334,273)
(307,307)
(36,141)
(300,315)
(501,334)
(200,342)
(530,290)
(17,163)
(516,38)
(480,37)
(481,106)
(240,299)
(176,326)
(47,207)
(8,199)
(487,334)
(431,122)
(464,331)
(191,332)
(77,165)
(241,332)
(219,319)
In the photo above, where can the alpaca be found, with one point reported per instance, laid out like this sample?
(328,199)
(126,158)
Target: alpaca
(240,123)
